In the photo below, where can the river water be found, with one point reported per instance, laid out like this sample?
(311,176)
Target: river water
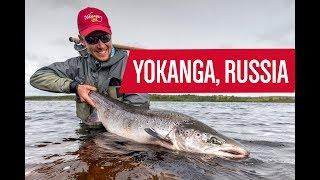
(57,146)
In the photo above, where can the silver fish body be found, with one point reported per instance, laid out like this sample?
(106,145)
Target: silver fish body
(169,129)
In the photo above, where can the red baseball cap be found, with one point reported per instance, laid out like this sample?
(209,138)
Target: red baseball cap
(91,19)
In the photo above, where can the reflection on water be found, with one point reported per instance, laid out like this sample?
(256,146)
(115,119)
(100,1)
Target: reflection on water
(60,148)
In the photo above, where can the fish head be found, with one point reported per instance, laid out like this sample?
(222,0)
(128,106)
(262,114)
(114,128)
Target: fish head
(200,138)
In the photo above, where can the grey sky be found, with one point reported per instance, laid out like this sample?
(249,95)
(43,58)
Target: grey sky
(158,24)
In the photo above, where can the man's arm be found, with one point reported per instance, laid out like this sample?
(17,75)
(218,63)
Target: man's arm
(56,77)
(142,100)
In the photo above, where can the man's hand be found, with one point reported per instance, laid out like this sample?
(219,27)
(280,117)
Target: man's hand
(83,92)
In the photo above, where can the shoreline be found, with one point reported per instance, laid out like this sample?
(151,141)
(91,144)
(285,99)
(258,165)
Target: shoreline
(184,98)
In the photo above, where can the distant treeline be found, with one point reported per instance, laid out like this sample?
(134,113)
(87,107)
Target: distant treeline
(185,98)
(50,98)
(221,98)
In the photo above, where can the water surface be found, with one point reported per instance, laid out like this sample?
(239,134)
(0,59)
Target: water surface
(58,147)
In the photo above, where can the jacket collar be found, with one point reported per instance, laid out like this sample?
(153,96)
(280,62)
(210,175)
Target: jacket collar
(96,64)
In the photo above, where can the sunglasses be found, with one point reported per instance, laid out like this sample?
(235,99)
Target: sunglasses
(95,39)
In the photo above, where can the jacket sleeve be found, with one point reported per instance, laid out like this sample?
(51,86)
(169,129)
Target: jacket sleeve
(55,77)
(137,99)
(134,99)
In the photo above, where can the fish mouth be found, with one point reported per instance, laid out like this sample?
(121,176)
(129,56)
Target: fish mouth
(232,152)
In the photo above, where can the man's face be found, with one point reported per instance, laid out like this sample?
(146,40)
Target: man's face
(99,45)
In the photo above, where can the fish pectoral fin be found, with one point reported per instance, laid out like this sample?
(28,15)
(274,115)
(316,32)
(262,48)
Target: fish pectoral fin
(154,134)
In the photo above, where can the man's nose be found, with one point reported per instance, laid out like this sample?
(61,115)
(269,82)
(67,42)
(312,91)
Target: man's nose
(101,44)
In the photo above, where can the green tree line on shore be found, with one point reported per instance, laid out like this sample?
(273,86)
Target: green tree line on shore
(184,98)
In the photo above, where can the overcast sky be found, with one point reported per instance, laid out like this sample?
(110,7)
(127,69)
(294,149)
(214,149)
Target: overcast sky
(155,24)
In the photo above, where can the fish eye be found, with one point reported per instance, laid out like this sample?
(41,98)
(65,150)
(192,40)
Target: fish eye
(214,140)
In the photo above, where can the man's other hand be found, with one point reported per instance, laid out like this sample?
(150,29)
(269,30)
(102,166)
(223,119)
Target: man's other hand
(83,92)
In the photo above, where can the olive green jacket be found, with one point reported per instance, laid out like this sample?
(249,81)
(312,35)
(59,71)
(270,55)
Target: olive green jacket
(87,70)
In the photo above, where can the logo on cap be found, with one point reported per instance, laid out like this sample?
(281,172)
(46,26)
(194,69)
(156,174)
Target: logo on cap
(93,17)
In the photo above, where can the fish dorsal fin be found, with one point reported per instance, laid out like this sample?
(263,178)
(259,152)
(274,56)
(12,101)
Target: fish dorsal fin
(154,134)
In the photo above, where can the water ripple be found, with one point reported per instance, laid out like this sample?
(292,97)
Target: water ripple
(57,146)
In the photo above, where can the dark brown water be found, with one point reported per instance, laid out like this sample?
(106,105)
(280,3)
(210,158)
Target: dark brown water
(58,147)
